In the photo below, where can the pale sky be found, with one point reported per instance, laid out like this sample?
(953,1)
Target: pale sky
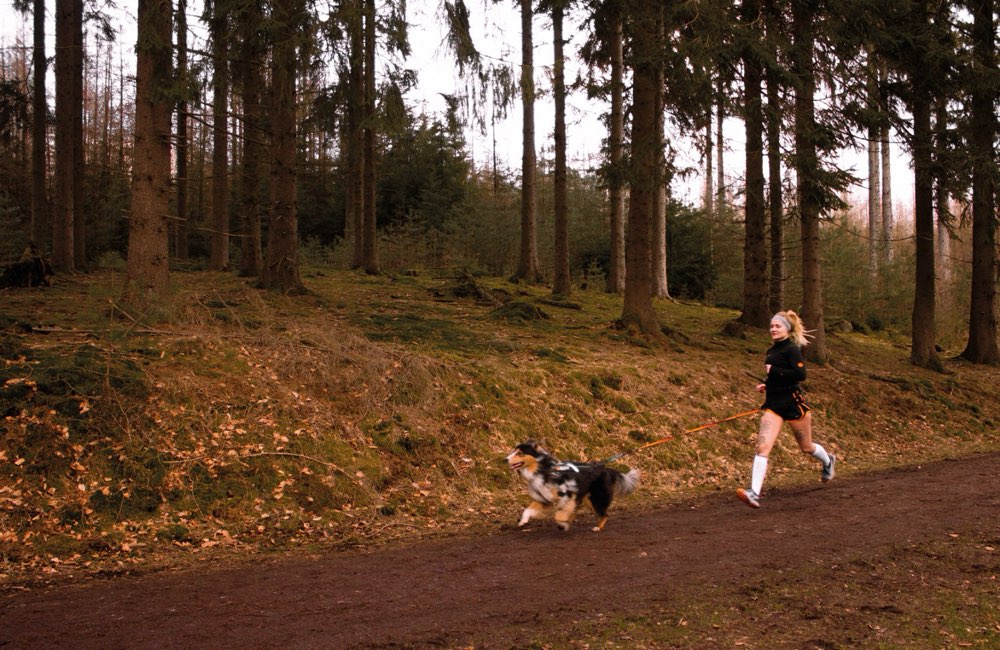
(496,30)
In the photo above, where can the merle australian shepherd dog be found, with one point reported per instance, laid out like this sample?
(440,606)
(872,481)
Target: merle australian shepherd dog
(562,486)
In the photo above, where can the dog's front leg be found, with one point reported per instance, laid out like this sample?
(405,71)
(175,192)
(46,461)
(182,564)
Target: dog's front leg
(533,510)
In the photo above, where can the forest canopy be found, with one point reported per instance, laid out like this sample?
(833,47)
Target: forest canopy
(236,137)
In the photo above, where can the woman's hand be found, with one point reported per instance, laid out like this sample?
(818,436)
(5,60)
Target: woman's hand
(767,369)
(761,388)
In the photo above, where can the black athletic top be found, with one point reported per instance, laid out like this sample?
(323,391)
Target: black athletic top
(787,369)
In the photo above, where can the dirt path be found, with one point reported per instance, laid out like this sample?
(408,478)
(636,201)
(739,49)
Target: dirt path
(498,591)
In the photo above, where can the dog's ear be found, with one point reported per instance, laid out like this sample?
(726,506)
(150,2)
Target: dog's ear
(531,446)
(524,447)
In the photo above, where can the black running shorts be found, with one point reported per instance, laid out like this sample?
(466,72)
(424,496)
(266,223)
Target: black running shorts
(789,407)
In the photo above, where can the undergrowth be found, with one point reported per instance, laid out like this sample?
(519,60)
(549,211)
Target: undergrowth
(374,409)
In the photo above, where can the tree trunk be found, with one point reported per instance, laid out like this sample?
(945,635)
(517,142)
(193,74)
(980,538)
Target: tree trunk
(106,127)
(106,123)
(219,24)
(63,248)
(721,201)
(923,352)
(355,186)
(281,267)
(982,345)
(200,148)
(710,186)
(709,154)
(888,225)
(807,171)
(942,236)
(616,263)
(370,226)
(921,80)
(146,280)
(658,240)
(874,185)
(253,142)
(637,311)
(776,285)
(179,227)
(755,294)
(942,213)
(561,279)
(78,171)
(527,266)
(39,127)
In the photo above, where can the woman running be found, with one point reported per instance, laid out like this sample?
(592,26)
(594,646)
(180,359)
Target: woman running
(783,402)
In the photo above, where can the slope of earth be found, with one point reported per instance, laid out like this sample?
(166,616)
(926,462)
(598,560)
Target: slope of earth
(328,469)
(904,557)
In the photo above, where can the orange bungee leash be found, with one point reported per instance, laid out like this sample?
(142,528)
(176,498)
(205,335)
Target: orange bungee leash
(672,436)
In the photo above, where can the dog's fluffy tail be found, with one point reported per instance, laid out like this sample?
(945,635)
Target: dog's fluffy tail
(625,484)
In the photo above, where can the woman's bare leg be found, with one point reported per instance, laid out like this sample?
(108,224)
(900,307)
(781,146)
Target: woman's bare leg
(770,427)
(803,434)
(767,435)
(802,428)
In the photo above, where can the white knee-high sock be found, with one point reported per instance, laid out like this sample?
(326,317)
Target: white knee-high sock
(757,473)
(821,454)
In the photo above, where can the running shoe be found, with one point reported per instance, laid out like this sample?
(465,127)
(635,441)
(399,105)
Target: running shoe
(748,497)
(828,469)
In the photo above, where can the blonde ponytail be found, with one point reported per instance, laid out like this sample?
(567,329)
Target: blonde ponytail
(797,332)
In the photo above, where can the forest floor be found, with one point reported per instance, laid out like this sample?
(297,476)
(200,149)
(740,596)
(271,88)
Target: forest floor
(244,469)
(900,558)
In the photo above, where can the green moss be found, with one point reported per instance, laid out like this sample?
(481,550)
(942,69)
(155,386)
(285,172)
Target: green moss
(63,380)
(414,328)
(623,404)
(60,545)
(520,312)
(174,533)
(552,355)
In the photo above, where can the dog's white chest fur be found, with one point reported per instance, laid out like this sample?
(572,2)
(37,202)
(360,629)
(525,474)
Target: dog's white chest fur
(538,489)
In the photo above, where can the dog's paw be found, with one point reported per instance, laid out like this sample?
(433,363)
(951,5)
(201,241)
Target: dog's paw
(562,525)
(597,529)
